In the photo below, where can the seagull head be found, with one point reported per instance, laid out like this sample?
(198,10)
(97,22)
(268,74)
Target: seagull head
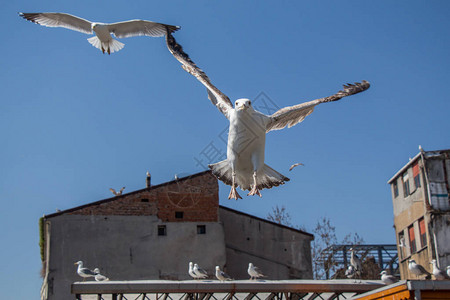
(217,268)
(383,273)
(80,263)
(242,104)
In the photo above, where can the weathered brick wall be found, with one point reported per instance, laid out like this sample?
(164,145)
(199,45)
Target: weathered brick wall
(195,197)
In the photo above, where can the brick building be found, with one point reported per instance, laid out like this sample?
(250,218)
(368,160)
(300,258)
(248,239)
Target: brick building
(155,232)
(422,210)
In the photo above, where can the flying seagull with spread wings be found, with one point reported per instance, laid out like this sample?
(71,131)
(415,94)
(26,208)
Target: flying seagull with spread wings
(102,39)
(244,166)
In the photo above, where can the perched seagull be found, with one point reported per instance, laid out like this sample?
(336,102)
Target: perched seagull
(244,166)
(417,269)
(200,272)
(402,243)
(448,271)
(356,262)
(221,275)
(102,39)
(254,272)
(117,193)
(84,272)
(98,276)
(438,273)
(350,272)
(388,279)
(191,270)
(294,165)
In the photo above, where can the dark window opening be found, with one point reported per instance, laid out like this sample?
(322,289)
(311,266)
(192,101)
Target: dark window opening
(395,188)
(162,230)
(179,215)
(406,190)
(201,229)
(144,200)
(412,240)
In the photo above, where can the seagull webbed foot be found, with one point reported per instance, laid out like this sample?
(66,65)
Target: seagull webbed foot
(234,194)
(254,191)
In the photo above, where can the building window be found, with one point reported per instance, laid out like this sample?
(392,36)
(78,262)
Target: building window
(423,233)
(162,230)
(402,245)
(406,190)
(178,215)
(144,200)
(201,229)
(412,239)
(416,174)
(395,188)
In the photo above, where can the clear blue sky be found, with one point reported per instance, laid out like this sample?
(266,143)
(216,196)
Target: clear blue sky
(74,122)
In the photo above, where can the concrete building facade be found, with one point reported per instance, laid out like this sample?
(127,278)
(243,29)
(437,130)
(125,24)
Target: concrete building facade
(421,205)
(155,232)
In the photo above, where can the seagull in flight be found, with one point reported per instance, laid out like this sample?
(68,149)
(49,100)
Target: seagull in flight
(295,165)
(117,193)
(102,39)
(244,166)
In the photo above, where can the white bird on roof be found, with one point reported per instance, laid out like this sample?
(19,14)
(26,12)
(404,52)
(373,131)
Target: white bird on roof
(221,275)
(84,272)
(254,272)
(438,273)
(200,272)
(388,279)
(102,39)
(98,276)
(244,166)
(417,269)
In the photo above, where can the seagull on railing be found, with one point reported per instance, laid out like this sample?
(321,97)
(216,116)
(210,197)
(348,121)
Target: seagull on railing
(221,275)
(200,272)
(254,272)
(84,272)
(438,273)
(98,276)
(417,269)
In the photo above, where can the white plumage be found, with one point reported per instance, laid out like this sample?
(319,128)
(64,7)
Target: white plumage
(254,272)
(84,272)
(98,276)
(102,39)
(388,279)
(221,275)
(438,273)
(200,272)
(244,166)
(417,269)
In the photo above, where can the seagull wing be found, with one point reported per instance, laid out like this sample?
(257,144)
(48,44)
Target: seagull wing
(294,165)
(292,115)
(113,191)
(219,99)
(422,269)
(59,20)
(140,27)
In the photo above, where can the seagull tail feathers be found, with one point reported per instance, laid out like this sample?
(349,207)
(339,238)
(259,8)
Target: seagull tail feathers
(111,46)
(266,177)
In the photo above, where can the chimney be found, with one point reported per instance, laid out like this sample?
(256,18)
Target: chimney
(148,180)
